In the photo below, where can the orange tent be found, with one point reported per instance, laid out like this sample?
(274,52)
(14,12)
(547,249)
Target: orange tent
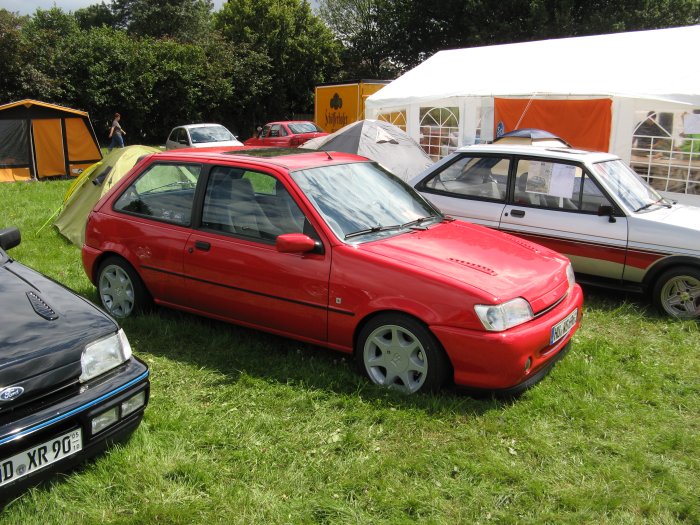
(39,140)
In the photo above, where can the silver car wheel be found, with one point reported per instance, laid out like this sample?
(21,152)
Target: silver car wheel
(394,357)
(680,297)
(116,291)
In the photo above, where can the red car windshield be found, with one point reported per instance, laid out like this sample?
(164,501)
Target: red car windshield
(363,202)
(304,127)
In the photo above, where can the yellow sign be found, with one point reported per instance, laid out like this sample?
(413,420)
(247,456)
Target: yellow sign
(338,105)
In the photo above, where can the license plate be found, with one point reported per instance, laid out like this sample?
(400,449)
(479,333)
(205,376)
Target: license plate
(41,456)
(563,327)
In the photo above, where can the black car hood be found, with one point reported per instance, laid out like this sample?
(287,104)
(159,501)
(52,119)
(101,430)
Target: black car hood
(44,328)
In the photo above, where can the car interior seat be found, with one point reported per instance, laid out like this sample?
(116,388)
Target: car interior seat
(283,212)
(489,190)
(247,216)
(523,196)
(216,214)
(478,182)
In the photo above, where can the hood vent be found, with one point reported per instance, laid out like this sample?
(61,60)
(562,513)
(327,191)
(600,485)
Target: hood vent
(525,244)
(474,266)
(40,307)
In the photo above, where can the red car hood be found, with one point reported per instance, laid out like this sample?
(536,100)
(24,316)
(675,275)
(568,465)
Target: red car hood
(501,266)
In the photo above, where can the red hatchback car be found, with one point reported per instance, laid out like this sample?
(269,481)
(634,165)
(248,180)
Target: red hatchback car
(286,134)
(330,249)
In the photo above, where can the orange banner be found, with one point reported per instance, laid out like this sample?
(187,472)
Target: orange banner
(584,124)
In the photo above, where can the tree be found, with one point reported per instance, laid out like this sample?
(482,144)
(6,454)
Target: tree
(13,55)
(44,35)
(356,25)
(156,84)
(184,20)
(300,50)
(409,31)
(96,15)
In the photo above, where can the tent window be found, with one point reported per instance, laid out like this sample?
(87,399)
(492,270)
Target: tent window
(14,148)
(397,118)
(439,131)
(666,150)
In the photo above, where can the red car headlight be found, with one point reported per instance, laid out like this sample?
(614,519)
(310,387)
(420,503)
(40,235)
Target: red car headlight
(499,317)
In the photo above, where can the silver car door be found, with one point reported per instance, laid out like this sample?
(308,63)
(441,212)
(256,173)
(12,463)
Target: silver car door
(559,206)
(471,188)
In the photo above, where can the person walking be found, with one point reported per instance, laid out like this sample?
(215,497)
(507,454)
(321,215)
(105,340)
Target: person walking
(116,133)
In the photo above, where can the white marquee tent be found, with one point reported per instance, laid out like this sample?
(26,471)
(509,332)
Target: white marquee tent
(452,99)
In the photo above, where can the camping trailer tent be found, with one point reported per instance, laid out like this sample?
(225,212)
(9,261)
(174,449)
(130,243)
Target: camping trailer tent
(39,140)
(595,92)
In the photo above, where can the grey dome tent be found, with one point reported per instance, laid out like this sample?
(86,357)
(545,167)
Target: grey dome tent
(379,141)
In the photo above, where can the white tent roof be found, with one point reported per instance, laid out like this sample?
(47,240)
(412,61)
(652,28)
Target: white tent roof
(658,64)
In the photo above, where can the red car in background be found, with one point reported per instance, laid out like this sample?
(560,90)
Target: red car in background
(285,134)
(335,251)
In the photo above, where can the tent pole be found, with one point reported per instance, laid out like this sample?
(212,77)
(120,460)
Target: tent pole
(32,158)
(66,160)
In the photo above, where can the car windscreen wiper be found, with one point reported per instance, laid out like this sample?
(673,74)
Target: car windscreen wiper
(659,202)
(373,229)
(418,222)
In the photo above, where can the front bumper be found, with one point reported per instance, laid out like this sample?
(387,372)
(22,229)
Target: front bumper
(511,360)
(116,391)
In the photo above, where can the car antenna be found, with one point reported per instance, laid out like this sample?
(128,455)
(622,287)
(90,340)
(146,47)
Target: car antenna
(329,155)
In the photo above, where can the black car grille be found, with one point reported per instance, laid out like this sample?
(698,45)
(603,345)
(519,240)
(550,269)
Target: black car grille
(26,407)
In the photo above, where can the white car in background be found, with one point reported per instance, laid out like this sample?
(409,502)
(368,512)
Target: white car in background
(200,136)
(617,230)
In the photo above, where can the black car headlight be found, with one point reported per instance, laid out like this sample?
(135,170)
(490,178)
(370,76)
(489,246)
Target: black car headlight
(104,354)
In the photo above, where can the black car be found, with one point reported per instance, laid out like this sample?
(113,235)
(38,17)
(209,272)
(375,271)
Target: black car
(69,385)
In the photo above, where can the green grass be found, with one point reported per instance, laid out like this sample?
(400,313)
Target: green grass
(249,428)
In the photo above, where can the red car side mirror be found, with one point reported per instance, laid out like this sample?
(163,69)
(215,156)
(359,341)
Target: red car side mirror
(294,243)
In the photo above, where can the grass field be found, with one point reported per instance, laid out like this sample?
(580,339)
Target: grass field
(248,428)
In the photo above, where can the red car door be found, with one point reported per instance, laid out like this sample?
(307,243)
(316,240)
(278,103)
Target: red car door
(233,270)
(152,224)
(279,137)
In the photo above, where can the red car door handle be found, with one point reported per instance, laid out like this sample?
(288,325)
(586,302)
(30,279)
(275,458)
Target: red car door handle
(202,245)
(517,213)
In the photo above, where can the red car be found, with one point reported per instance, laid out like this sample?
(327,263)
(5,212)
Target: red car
(286,134)
(333,250)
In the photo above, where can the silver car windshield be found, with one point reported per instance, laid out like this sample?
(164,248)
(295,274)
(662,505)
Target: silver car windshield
(362,202)
(210,134)
(627,186)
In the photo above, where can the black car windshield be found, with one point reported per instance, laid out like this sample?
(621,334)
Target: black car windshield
(627,186)
(210,134)
(303,127)
(362,202)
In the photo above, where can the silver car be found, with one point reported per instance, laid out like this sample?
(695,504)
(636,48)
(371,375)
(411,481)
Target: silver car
(200,136)
(617,230)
